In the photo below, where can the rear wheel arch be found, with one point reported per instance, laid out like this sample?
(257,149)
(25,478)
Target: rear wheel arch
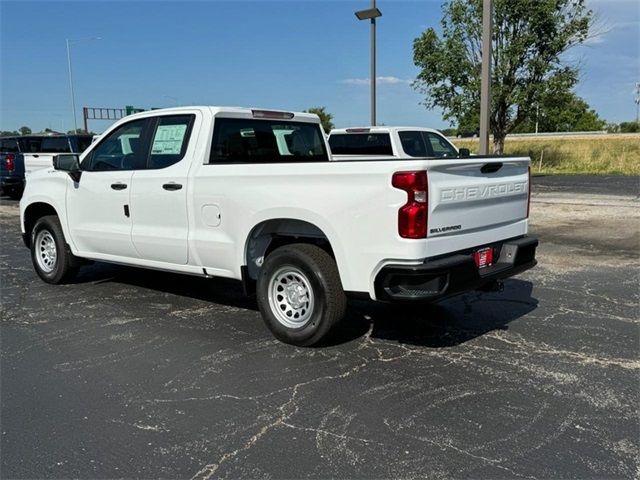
(271,234)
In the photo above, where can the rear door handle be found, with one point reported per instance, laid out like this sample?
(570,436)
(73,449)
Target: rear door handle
(118,186)
(172,186)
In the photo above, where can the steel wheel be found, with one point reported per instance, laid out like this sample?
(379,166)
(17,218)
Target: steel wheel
(46,251)
(290,297)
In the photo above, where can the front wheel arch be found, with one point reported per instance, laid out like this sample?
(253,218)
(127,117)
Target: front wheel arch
(32,214)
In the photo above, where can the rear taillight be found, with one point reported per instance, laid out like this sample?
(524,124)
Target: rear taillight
(9,161)
(529,194)
(412,216)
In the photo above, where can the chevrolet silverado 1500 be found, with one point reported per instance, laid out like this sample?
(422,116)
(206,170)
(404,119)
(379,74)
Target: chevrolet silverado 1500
(390,143)
(252,195)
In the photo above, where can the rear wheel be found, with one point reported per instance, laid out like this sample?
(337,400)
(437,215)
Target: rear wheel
(300,294)
(50,254)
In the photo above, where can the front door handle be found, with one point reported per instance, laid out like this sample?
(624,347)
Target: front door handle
(118,186)
(172,186)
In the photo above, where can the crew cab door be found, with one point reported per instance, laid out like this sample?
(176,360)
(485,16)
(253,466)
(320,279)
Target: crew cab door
(98,206)
(160,224)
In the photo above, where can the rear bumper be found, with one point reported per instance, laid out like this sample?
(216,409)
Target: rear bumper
(443,277)
(12,183)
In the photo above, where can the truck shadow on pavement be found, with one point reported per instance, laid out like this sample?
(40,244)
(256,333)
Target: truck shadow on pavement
(446,324)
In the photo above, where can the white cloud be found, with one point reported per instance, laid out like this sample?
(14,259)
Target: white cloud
(381,80)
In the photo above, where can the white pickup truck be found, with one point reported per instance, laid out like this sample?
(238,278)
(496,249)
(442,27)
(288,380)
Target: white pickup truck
(42,149)
(252,195)
(390,143)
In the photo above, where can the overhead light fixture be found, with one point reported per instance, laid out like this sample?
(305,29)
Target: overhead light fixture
(368,14)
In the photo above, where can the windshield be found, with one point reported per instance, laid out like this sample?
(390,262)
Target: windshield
(360,144)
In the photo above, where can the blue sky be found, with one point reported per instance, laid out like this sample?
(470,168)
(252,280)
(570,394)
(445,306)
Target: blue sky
(280,54)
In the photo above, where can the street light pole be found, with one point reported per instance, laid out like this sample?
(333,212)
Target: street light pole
(485,88)
(73,99)
(371,14)
(373,66)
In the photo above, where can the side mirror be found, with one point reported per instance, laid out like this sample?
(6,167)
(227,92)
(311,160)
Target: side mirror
(68,163)
(464,152)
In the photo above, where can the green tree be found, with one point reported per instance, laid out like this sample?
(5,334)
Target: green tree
(529,38)
(630,127)
(24,130)
(563,112)
(325,117)
(79,131)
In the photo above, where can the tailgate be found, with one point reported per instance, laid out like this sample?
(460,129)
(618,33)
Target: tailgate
(478,200)
(37,161)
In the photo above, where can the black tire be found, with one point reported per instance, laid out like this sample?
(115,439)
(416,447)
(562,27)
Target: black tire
(63,267)
(328,303)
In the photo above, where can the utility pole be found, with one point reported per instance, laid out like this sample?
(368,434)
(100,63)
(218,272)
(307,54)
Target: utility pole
(637,100)
(485,89)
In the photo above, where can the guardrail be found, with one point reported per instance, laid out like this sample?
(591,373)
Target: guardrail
(557,134)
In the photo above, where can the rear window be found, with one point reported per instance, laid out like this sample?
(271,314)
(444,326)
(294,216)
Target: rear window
(360,144)
(266,141)
(30,145)
(9,145)
(55,145)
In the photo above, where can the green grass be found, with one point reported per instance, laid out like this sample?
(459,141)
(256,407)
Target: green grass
(602,155)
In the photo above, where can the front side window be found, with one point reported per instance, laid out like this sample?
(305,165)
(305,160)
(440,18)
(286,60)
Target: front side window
(360,144)
(170,140)
(266,141)
(440,146)
(125,148)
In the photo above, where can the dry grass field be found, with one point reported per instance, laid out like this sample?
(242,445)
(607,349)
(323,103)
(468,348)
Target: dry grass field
(597,154)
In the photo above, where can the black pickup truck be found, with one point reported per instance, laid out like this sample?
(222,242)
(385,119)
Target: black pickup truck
(13,149)
(12,165)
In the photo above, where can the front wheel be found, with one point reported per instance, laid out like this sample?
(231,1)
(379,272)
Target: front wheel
(50,255)
(300,294)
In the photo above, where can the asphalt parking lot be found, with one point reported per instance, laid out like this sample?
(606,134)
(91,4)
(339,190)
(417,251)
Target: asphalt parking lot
(129,373)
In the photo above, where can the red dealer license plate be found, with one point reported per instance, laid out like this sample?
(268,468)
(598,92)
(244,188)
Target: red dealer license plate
(483,257)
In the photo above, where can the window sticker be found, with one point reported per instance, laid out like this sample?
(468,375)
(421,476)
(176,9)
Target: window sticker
(168,139)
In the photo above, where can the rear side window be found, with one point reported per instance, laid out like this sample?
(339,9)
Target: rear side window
(31,145)
(9,145)
(266,141)
(55,145)
(361,144)
(170,140)
(413,144)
